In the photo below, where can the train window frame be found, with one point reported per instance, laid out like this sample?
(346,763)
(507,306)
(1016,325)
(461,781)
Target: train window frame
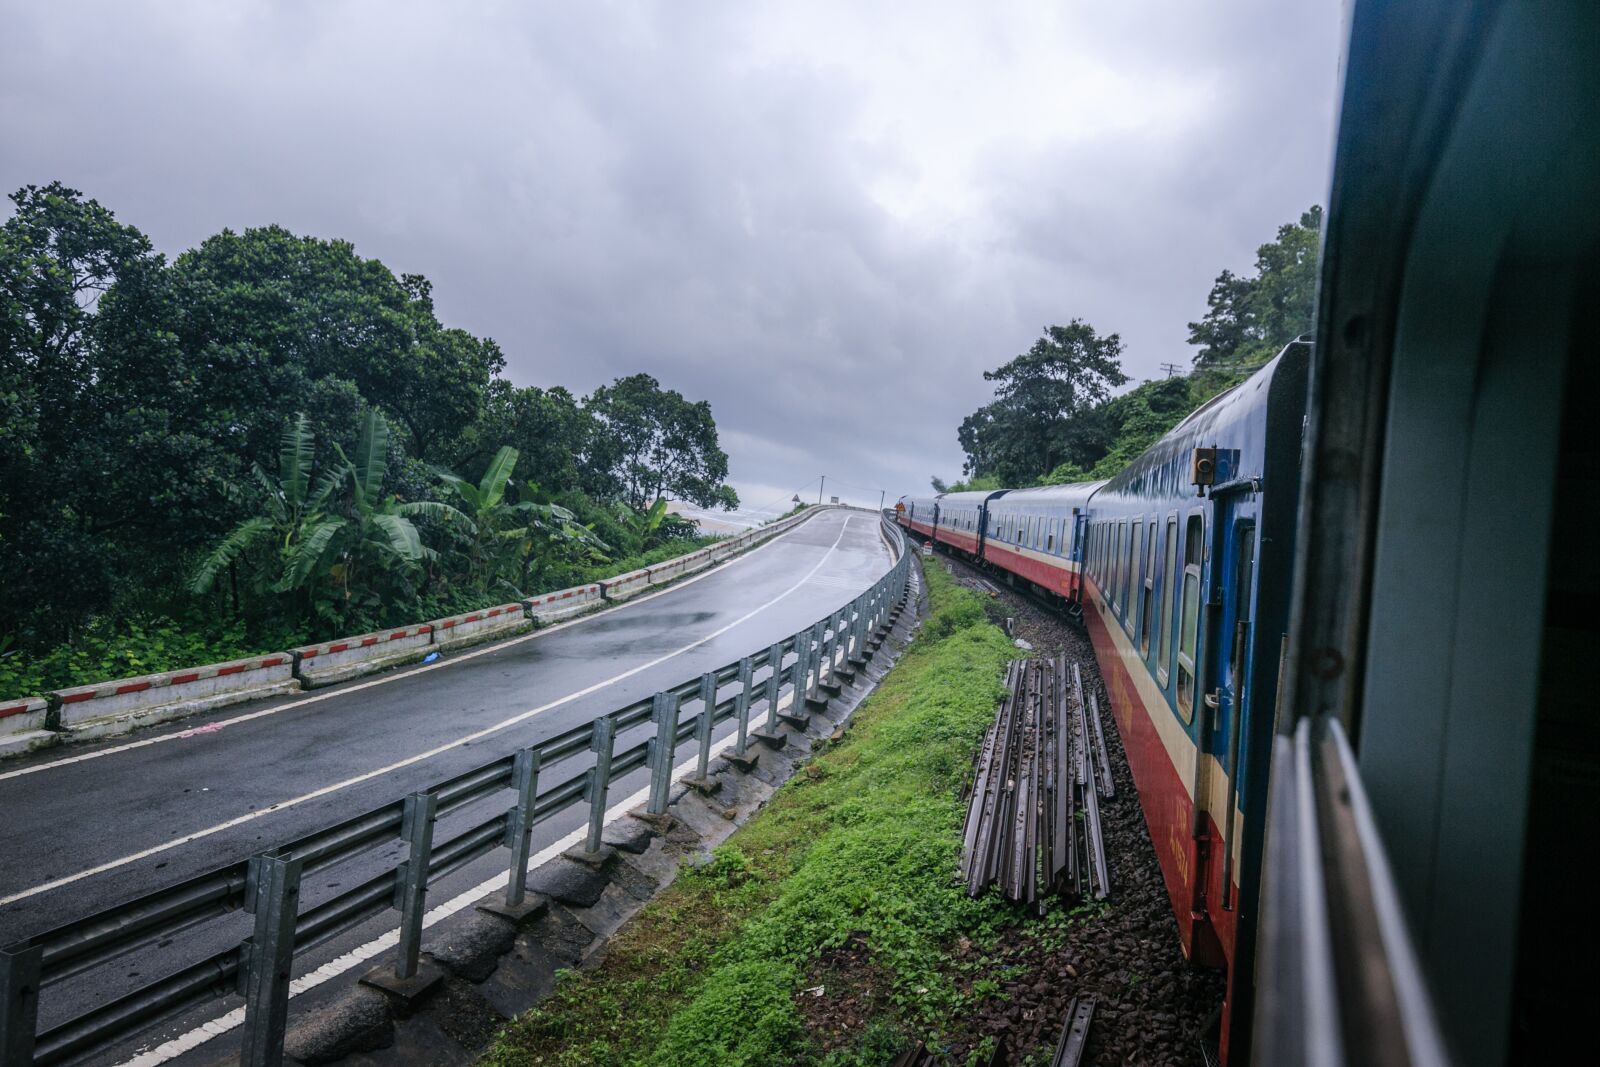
(1125,578)
(1169,553)
(1148,605)
(1116,568)
(1135,558)
(1192,583)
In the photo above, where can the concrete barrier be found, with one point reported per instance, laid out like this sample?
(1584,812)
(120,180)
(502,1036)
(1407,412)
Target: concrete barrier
(547,607)
(351,657)
(22,725)
(501,620)
(624,586)
(120,706)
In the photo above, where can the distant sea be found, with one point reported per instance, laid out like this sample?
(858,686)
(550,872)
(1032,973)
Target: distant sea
(735,521)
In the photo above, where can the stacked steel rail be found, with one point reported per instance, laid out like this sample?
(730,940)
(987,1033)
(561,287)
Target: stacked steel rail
(268,884)
(1042,765)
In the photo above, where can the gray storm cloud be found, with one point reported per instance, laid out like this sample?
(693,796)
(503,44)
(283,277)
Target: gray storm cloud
(827,219)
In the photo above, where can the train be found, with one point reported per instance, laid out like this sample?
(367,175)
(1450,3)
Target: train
(1180,568)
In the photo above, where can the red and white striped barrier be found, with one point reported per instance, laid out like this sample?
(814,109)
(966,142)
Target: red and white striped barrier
(563,602)
(624,586)
(120,706)
(477,626)
(350,657)
(22,725)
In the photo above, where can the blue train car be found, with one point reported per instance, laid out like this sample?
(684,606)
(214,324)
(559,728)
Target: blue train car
(1037,534)
(962,520)
(1186,596)
(918,513)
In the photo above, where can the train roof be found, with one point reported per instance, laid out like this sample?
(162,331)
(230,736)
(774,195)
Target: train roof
(1201,425)
(1070,493)
(971,497)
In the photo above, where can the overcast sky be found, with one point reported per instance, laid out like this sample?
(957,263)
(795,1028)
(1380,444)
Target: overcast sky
(827,219)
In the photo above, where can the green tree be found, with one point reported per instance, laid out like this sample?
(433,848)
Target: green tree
(81,296)
(1044,408)
(509,541)
(347,548)
(1248,320)
(549,429)
(651,443)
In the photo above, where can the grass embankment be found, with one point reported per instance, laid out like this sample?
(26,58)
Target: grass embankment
(856,853)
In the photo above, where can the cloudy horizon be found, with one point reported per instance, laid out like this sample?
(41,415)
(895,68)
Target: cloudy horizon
(827,220)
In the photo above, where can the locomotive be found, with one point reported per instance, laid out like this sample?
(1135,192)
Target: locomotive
(1180,568)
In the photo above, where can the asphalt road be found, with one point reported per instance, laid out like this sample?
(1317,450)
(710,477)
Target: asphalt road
(87,827)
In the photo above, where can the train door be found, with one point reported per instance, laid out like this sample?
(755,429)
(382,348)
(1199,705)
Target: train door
(1224,655)
(1077,553)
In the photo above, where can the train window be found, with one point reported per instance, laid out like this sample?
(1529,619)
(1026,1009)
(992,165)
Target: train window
(1189,618)
(1135,556)
(1050,537)
(1147,593)
(1169,553)
(1244,575)
(1125,575)
(1116,566)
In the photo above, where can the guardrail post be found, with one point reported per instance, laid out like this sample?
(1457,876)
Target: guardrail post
(274,896)
(817,630)
(741,705)
(774,684)
(603,743)
(411,887)
(802,669)
(519,827)
(664,713)
(830,642)
(19,1001)
(708,709)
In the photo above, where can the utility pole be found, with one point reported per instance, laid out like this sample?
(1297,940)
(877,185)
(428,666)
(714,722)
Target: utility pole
(881,494)
(820,486)
(1171,368)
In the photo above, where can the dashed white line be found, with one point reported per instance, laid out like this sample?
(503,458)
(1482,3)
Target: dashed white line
(385,679)
(193,1039)
(476,735)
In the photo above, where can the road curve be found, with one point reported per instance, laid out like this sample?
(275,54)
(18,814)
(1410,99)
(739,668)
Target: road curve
(90,826)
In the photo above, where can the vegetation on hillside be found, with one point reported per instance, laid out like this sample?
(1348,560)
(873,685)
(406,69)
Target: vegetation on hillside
(272,439)
(1053,419)
(857,849)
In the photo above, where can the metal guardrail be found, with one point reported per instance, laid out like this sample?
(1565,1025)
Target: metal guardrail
(267,885)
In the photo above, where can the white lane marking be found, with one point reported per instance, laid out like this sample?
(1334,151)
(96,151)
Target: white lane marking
(251,816)
(193,1039)
(384,679)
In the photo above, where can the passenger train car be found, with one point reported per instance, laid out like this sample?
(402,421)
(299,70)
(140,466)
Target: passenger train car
(1181,567)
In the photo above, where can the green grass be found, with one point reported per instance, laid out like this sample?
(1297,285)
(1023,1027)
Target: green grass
(862,841)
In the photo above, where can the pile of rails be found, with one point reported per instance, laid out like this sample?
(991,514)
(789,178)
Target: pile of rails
(1042,764)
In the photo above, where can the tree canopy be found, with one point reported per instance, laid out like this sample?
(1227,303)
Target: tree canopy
(143,404)
(651,442)
(1045,404)
(1249,319)
(1054,420)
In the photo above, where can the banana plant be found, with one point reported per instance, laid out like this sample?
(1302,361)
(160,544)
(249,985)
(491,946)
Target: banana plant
(508,539)
(332,534)
(293,509)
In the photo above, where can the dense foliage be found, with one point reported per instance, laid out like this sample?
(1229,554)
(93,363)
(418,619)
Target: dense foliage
(273,437)
(1053,419)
